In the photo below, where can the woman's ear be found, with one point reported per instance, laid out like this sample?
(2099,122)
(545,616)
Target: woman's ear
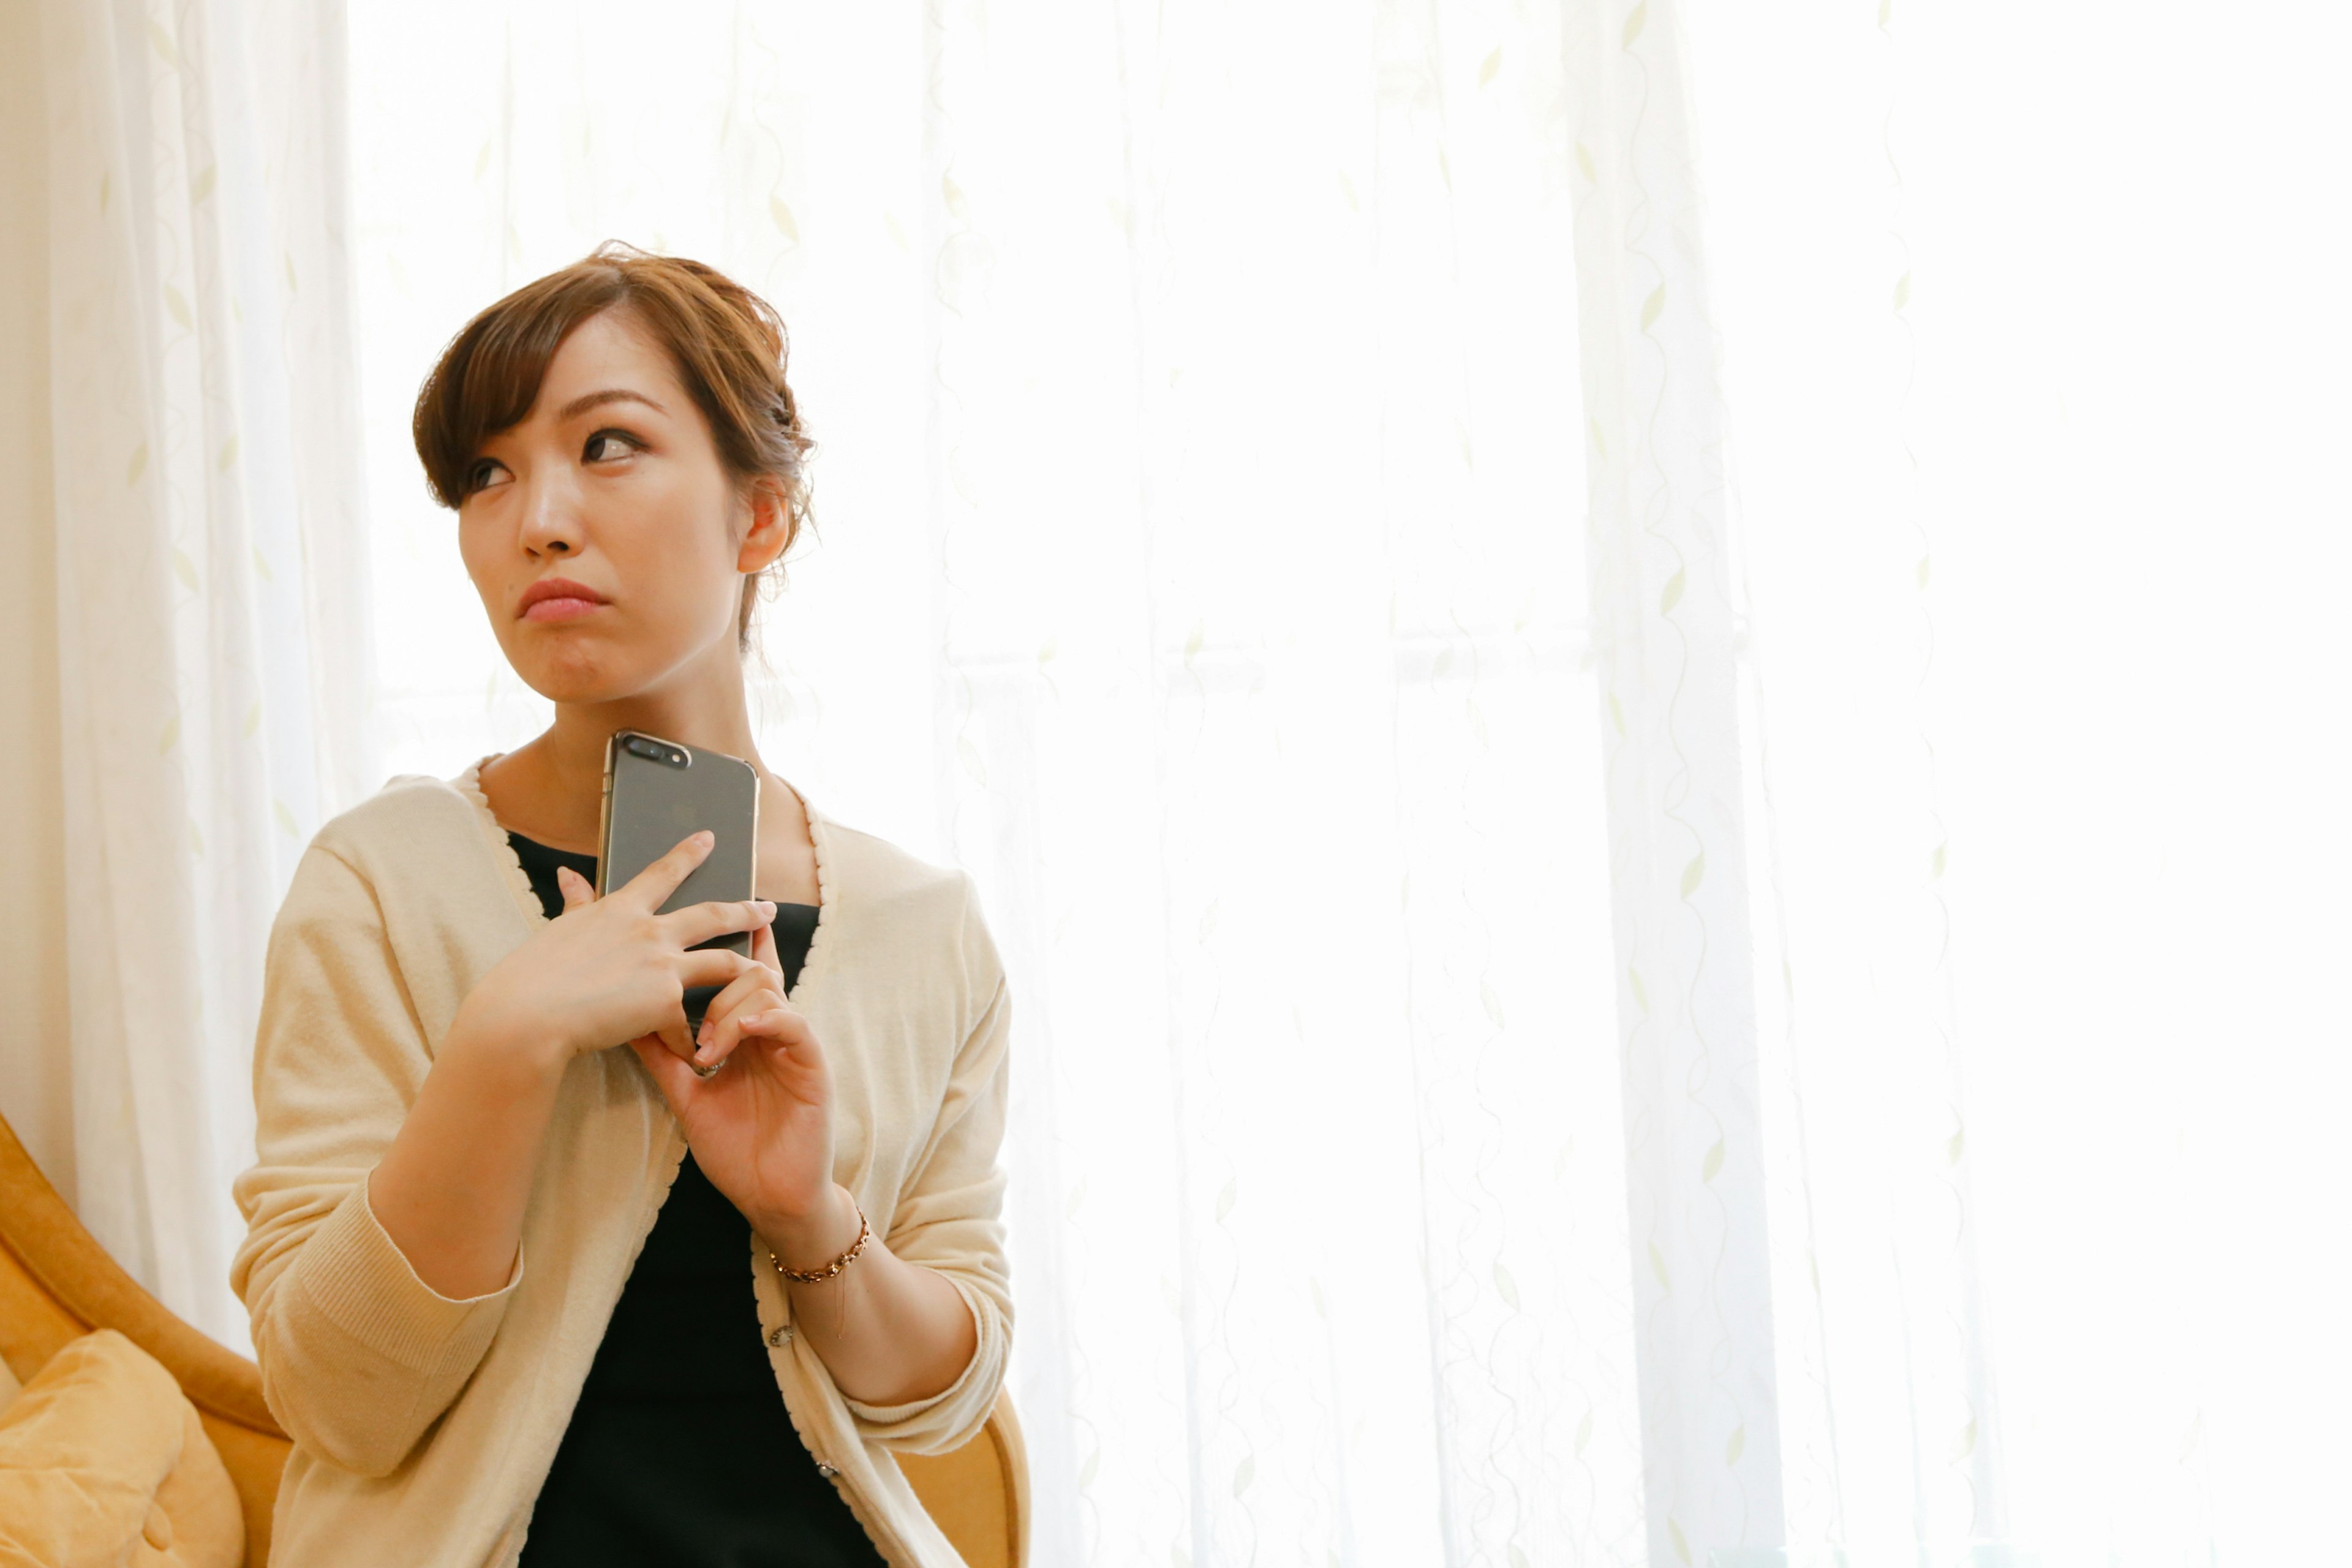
(773,524)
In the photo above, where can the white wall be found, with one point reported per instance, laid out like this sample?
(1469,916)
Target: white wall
(36,1089)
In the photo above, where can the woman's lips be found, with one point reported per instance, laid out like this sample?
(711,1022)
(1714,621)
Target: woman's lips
(560,607)
(554,599)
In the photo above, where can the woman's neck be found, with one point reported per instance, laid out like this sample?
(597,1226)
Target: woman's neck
(551,788)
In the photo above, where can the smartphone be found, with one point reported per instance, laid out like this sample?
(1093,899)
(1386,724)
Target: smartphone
(656,793)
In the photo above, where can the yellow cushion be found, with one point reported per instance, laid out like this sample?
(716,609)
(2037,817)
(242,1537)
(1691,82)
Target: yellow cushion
(102,1461)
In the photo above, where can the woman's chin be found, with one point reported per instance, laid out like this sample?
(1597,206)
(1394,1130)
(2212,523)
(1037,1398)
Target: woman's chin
(575,678)
(581,666)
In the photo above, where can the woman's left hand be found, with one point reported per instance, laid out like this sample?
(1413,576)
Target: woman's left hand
(762,1126)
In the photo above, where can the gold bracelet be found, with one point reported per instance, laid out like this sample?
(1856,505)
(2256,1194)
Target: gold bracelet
(812,1276)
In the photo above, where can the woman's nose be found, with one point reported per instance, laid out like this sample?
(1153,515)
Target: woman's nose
(551,518)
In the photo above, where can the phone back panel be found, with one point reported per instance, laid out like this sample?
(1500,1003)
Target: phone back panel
(651,802)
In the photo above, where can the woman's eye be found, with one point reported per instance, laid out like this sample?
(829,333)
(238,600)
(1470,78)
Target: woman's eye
(484,474)
(606,445)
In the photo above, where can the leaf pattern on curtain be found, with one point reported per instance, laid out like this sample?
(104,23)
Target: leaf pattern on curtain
(213,608)
(1198,564)
(1208,396)
(1667,614)
(1285,783)
(1485,1085)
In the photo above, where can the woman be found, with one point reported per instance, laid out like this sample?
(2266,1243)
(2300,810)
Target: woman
(522,1296)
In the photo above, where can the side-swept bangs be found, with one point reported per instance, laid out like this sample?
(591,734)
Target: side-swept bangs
(727,344)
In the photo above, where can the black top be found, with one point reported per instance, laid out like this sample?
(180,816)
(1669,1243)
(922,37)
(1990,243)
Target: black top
(680,1451)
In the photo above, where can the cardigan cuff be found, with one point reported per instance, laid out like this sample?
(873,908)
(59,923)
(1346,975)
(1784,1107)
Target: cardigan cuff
(358,1280)
(890,1415)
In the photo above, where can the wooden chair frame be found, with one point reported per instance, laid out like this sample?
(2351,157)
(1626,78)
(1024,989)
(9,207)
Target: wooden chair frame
(56,1283)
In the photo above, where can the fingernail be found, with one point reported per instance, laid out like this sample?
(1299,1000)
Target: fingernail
(767,908)
(704,837)
(702,1035)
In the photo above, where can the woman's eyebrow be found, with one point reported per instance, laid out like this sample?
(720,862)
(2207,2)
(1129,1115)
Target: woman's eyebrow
(587,400)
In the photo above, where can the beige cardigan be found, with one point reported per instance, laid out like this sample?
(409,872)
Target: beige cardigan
(424,1426)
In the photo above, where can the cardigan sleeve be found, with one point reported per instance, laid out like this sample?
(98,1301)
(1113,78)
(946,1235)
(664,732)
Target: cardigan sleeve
(358,1355)
(947,1219)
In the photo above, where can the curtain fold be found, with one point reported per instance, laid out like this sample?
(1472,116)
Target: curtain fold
(1815,1364)
(1668,634)
(212,613)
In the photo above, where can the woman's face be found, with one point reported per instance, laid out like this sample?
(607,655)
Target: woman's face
(605,534)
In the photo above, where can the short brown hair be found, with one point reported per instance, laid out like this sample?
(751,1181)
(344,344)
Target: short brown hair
(729,346)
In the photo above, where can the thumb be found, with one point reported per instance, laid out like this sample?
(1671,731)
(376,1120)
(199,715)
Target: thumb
(668,1070)
(577,893)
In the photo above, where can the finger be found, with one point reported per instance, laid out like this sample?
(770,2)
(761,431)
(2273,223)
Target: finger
(578,893)
(763,948)
(675,1037)
(786,1040)
(652,887)
(721,1029)
(718,966)
(700,923)
(749,992)
(786,1034)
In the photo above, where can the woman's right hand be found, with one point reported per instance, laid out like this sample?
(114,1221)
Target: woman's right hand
(609,970)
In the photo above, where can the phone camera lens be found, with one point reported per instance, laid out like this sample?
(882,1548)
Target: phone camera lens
(644,748)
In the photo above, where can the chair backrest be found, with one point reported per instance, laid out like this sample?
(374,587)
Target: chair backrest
(56,1283)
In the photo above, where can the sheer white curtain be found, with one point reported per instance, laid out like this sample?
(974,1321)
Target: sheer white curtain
(1604,665)
(1200,566)
(1666,599)
(212,594)
(2033,344)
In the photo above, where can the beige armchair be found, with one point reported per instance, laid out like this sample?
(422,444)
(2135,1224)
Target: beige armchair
(57,1284)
